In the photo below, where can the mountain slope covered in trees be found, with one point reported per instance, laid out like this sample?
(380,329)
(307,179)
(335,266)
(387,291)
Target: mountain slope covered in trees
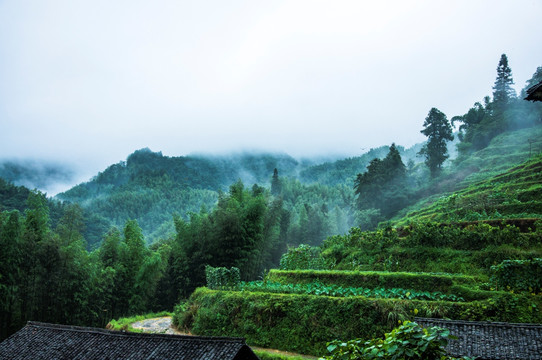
(150,188)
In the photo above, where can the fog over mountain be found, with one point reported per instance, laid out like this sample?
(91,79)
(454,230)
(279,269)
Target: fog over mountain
(89,82)
(48,177)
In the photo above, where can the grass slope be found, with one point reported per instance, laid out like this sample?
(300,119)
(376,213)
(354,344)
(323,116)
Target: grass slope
(499,181)
(516,193)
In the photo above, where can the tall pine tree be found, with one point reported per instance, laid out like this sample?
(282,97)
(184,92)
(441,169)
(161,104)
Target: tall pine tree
(503,92)
(276,187)
(438,130)
(381,186)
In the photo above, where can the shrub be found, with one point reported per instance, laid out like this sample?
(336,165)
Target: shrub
(408,341)
(474,236)
(302,257)
(221,277)
(522,275)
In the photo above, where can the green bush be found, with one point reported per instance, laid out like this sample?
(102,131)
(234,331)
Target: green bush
(522,275)
(221,277)
(408,341)
(302,257)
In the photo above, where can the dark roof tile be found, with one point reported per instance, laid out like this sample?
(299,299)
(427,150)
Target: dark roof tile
(534,93)
(491,340)
(43,341)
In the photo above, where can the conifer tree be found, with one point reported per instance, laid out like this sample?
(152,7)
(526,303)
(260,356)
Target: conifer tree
(275,183)
(438,130)
(380,187)
(503,91)
(394,164)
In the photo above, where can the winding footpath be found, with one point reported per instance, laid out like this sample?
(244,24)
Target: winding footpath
(162,325)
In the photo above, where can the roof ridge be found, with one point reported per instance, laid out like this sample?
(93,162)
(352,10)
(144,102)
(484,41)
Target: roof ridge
(533,88)
(134,334)
(491,323)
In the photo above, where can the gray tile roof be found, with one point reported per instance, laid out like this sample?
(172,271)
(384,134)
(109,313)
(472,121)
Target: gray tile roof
(43,341)
(491,340)
(534,93)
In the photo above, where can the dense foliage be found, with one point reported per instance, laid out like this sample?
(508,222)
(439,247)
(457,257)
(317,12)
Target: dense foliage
(433,247)
(243,231)
(522,275)
(221,277)
(407,341)
(382,186)
(438,130)
(514,193)
(150,188)
(302,257)
(124,276)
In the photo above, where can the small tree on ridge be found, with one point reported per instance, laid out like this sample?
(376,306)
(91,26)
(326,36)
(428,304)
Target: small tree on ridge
(438,130)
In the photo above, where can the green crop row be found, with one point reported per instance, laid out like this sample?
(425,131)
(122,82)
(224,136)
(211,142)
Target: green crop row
(304,323)
(320,289)
(373,279)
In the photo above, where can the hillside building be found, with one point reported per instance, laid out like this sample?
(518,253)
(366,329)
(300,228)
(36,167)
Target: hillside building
(534,93)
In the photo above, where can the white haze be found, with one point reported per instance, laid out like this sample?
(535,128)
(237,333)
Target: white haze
(89,82)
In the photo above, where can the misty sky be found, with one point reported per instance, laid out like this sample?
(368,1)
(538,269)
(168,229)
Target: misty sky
(89,82)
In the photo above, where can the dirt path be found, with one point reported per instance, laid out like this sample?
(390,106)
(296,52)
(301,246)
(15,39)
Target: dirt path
(162,325)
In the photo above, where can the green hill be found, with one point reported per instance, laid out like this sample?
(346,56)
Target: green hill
(150,188)
(487,184)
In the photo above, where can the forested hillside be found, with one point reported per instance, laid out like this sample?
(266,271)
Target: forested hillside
(150,188)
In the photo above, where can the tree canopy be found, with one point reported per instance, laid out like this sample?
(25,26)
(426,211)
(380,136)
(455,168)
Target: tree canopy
(380,187)
(438,130)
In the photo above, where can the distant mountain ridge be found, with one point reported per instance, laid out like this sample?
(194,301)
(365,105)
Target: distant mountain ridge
(150,187)
(217,173)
